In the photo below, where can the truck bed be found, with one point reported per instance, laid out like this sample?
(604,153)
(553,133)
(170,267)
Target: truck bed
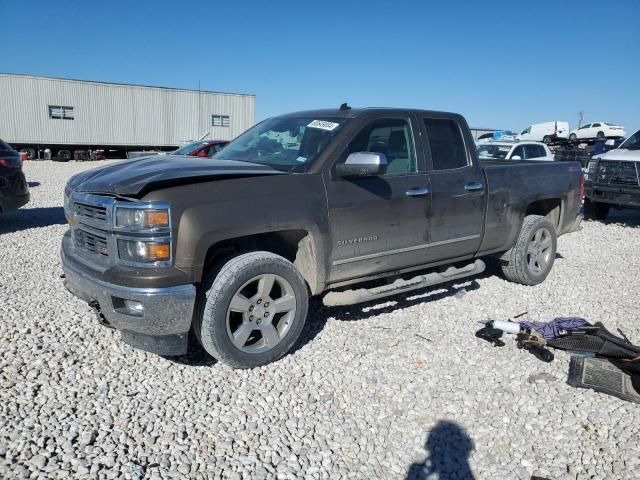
(513,185)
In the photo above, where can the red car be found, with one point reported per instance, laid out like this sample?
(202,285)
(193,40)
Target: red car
(205,148)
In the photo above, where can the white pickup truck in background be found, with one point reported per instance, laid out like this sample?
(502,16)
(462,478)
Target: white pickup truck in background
(514,151)
(613,179)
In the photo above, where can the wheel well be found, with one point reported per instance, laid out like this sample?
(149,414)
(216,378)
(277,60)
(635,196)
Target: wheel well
(294,245)
(550,208)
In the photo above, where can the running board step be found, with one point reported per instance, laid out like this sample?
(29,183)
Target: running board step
(351,297)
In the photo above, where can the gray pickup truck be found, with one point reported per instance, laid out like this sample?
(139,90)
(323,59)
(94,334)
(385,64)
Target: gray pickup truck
(357,204)
(613,179)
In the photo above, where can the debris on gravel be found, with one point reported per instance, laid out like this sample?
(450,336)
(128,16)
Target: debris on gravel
(400,388)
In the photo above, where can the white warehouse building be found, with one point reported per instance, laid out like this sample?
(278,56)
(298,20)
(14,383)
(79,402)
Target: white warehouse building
(70,116)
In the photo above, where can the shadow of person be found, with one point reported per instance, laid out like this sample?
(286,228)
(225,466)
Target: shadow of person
(449,448)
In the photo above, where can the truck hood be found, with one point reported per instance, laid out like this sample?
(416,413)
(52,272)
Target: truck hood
(621,154)
(135,178)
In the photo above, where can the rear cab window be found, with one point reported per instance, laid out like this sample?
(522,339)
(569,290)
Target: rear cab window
(447,147)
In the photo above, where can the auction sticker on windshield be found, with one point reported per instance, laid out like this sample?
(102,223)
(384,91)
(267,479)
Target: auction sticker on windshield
(324,125)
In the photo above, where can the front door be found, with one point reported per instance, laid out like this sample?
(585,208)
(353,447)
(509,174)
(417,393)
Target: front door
(379,223)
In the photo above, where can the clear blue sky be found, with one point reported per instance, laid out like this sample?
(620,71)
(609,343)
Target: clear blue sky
(501,64)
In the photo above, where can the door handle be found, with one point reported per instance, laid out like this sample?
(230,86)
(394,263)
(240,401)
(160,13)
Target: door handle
(417,192)
(473,187)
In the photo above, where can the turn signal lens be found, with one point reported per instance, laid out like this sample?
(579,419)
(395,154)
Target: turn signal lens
(157,251)
(144,252)
(157,218)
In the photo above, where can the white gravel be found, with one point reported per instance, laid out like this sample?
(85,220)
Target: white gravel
(397,389)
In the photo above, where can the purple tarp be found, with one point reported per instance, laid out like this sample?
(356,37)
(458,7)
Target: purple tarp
(549,330)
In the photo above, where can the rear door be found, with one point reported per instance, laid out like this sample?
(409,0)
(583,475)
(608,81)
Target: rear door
(533,151)
(379,223)
(456,216)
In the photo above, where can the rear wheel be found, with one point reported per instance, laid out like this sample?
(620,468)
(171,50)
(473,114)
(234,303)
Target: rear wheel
(253,311)
(530,260)
(573,138)
(595,210)
(547,139)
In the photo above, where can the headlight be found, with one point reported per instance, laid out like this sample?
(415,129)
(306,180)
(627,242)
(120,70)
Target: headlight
(142,218)
(140,251)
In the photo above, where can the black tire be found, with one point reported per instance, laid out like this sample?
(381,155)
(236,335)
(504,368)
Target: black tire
(595,210)
(573,138)
(63,156)
(210,322)
(600,135)
(31,153)
(515,263)
(547,140)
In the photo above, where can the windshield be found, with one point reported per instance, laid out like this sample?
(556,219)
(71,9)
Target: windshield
(632,143)
(188,149)
(498,152)
(284,143)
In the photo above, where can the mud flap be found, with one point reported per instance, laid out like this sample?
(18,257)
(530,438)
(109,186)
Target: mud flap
(601,376)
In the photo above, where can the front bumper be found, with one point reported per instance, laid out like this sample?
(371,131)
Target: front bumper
(163,325)
(623,197)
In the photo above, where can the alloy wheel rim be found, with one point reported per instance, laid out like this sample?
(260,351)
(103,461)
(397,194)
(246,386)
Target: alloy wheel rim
(261,313)
(539,251)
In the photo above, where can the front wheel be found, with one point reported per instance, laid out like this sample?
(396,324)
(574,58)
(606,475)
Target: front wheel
(253,311)
(573,138)
(530,260)
(600,136)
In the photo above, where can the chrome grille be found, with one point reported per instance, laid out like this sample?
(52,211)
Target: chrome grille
(91,242)
(617,173)
(96,212)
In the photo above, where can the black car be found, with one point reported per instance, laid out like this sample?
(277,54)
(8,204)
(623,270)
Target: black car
(14,191)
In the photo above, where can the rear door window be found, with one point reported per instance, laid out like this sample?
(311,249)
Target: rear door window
(446,144)
(519,152)
(534,151)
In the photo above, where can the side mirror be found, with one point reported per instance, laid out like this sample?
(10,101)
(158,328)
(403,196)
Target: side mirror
(363,164)
(516,157)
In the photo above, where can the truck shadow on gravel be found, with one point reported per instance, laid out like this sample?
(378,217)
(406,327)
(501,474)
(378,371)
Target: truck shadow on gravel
(320,313)
(448,447)
(622,218)
(26,218)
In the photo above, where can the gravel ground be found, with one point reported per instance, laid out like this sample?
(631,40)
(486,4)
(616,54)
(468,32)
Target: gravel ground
(396,389)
